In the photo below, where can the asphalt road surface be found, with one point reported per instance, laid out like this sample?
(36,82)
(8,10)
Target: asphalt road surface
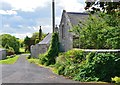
(24,72)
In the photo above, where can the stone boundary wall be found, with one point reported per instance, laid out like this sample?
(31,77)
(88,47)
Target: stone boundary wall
(101,50)
(2,54)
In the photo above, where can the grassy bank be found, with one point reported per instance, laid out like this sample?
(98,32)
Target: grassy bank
(9,60)
(33,60)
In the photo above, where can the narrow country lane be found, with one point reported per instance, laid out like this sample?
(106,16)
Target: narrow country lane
(24,72)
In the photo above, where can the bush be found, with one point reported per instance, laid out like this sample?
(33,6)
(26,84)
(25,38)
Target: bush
(116,79)
(49,57)
(93,66)
(10,51)
(67,64)
(97,67)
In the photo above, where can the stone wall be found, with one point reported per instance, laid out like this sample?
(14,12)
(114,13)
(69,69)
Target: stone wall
(2,54)
(38,49)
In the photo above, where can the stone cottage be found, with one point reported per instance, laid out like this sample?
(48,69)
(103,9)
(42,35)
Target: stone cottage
(66,38)
(68,20)
(41,47)
(2,53)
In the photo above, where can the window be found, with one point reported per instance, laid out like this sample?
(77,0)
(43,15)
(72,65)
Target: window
(63,31)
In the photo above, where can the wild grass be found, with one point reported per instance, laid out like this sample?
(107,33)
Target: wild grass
(33,60)
(9,60)
(22,50)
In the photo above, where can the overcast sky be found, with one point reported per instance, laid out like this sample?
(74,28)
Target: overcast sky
(23,17)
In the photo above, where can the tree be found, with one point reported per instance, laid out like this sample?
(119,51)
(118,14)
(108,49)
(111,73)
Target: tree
(99,31)
(21,41)
(37,37)
(10,41)
(49,57)
(27,43)
(107,6)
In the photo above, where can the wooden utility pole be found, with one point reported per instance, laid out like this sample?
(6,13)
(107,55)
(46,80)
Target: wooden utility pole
(53,15)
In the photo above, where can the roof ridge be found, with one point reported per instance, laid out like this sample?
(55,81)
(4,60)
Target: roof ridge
(77,13)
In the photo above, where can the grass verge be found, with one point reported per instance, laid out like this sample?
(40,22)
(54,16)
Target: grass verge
(9,60)
(33,60)
(36,61)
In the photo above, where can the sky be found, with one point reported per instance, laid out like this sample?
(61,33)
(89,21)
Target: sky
(21,18)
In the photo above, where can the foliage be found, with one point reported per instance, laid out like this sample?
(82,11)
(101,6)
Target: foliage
(93,66)
(116,79)
(22,50)
(98,66)
(1,46)
(10,51)
(67,64)
(37,37)
(49,57)
(10,41)
(9,60)
(21,41)
(32,60)
(96,5)
(99,31)
(27,43)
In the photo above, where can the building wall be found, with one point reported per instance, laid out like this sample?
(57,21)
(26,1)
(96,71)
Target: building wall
(2,54)
(38,49)
(65,37)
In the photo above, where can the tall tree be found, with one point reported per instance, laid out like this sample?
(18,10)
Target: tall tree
(27,43)
(99,31)
(109,6)
(10,41)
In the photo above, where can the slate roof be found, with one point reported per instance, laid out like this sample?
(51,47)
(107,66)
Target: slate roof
(47,39)
(76,17)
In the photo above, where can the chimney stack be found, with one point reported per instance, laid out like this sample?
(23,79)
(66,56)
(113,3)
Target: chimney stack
(40,33)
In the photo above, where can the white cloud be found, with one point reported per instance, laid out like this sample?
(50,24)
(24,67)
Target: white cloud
(47,29)
(22,36)
(57,20)
(6,25)
(26,5)
(18,25)
(71,5)
(8,12)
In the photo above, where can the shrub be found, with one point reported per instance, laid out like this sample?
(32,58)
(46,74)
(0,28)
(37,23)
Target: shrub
(116,79)
(10,51)
(93,66)
(99,67)
(49,57)
(67,64)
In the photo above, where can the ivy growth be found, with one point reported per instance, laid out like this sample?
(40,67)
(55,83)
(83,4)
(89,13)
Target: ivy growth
(49,57)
